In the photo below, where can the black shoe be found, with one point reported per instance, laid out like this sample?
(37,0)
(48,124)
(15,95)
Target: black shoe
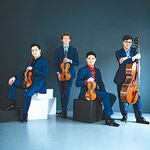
(142,120)
(124,119)
(60,113)
(111,122)
(24,119)
(64,115)
(10,107)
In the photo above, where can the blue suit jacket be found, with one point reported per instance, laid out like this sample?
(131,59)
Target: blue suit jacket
(84,74)
(120,75)
(40,72)
(59,56)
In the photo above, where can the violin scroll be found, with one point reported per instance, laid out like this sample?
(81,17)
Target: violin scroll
(136,40)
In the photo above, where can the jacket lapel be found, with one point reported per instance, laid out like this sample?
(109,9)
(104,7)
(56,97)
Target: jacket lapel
(69,52)
(89,74)
(96,74)
(37,61)
(62,52)
(131,52)
(123,52)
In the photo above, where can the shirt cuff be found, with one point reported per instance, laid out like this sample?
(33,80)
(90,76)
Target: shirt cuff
(57,72)
(71,61)
(86,82)
(133,59)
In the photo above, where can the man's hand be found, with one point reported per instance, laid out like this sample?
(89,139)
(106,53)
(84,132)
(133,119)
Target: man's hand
(90,79)
(121,60)
(59,77)
(29,68)
(11,80)
(137,56)
(65,60)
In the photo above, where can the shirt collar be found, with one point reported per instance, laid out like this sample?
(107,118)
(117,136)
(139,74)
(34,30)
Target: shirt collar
(66,47)
(128,50)
(91,68)
(37,58)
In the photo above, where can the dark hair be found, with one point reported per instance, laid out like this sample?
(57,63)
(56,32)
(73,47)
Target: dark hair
(127,37)
(65,34)
(90,53)
(35,44)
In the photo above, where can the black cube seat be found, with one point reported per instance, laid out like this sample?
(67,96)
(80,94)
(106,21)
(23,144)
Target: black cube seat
(11,115)
(87,111)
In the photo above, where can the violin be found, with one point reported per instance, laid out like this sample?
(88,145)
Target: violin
(65,74)
(27,82)
(91,94)
(129,91)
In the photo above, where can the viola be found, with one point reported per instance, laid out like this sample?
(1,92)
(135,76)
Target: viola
(129,91)
(27,82)
(65,74)
(91,94)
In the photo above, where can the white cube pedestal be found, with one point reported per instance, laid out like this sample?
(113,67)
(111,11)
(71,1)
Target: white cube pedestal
(38,109)
(42,105)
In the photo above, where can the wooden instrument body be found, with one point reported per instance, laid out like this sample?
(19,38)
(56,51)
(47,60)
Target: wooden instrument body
(129,91)
(27,79)
(65,74)
(91,94)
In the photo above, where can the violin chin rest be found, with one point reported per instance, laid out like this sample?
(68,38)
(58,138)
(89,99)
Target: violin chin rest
(87,98)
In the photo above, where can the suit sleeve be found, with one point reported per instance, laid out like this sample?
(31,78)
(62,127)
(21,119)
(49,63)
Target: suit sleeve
(100,82)
(56,61)
(75,61)
(119,55)
(80,81)
(20,75)
(43,72)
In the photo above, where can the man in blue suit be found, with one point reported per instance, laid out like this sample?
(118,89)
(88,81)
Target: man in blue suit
(40,69)
(72,58)
(126,55)
(84,76)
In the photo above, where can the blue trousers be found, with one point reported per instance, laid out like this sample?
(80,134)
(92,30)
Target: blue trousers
(108,100)
(27,95)
(123,106)
(65,87)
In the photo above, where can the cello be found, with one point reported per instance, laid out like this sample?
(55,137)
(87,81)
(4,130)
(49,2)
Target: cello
(129,91)
(65,74)
(91,94)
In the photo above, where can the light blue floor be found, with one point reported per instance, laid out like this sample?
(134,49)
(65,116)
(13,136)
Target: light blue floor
(64,134)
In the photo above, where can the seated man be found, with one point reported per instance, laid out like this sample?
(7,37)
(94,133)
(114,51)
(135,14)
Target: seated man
(84,76)
(40,69)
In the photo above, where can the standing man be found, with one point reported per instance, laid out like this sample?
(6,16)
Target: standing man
(124,56)
(40,69)
(85,75)
(59,58)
